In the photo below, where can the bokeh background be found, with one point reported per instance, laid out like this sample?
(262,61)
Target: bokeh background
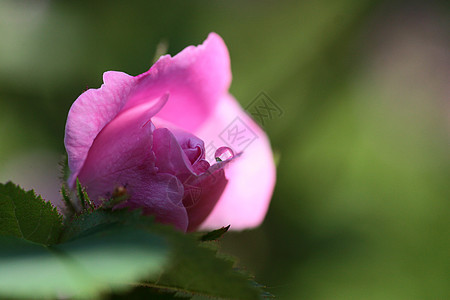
(361,206)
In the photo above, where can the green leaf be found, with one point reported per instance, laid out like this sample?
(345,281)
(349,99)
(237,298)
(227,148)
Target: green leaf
(197,271)
(194,269)
(27,216)
(142,292)
(90,220)
(107,259)
(29,269)
(64,168)
(70,208)
(119,255)
(215,234)
(83,197)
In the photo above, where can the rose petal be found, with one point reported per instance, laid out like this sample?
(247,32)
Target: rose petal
(161,196)
(251,178)
(193,147)
(196,78)
(122,155)
(202,193)
(170,158)
(90,113)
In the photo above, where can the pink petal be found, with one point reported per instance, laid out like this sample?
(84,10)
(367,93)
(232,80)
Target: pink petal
(159,195)
(202,194)
(201,191)
(90,113)
(170,157)
(192,146)
(195,78)
(121,155)
(251,177)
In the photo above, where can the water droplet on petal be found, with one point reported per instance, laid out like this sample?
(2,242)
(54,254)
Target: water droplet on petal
(223,153)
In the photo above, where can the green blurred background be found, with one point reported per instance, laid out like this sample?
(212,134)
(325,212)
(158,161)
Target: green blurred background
(361,206)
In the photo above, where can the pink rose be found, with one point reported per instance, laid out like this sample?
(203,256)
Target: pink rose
(148,134)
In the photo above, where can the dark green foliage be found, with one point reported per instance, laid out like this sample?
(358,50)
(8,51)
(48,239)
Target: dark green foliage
(215,234)
(144,292)
(27,216)
(88,221)
(70,208)
(64,168)
(194,270)
(108,259)
(100,250)
(83,197)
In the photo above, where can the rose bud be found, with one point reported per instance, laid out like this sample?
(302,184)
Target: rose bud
(152,136)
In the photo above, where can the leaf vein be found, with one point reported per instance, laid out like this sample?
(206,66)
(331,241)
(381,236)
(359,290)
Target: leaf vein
(37,226)
(17,220)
